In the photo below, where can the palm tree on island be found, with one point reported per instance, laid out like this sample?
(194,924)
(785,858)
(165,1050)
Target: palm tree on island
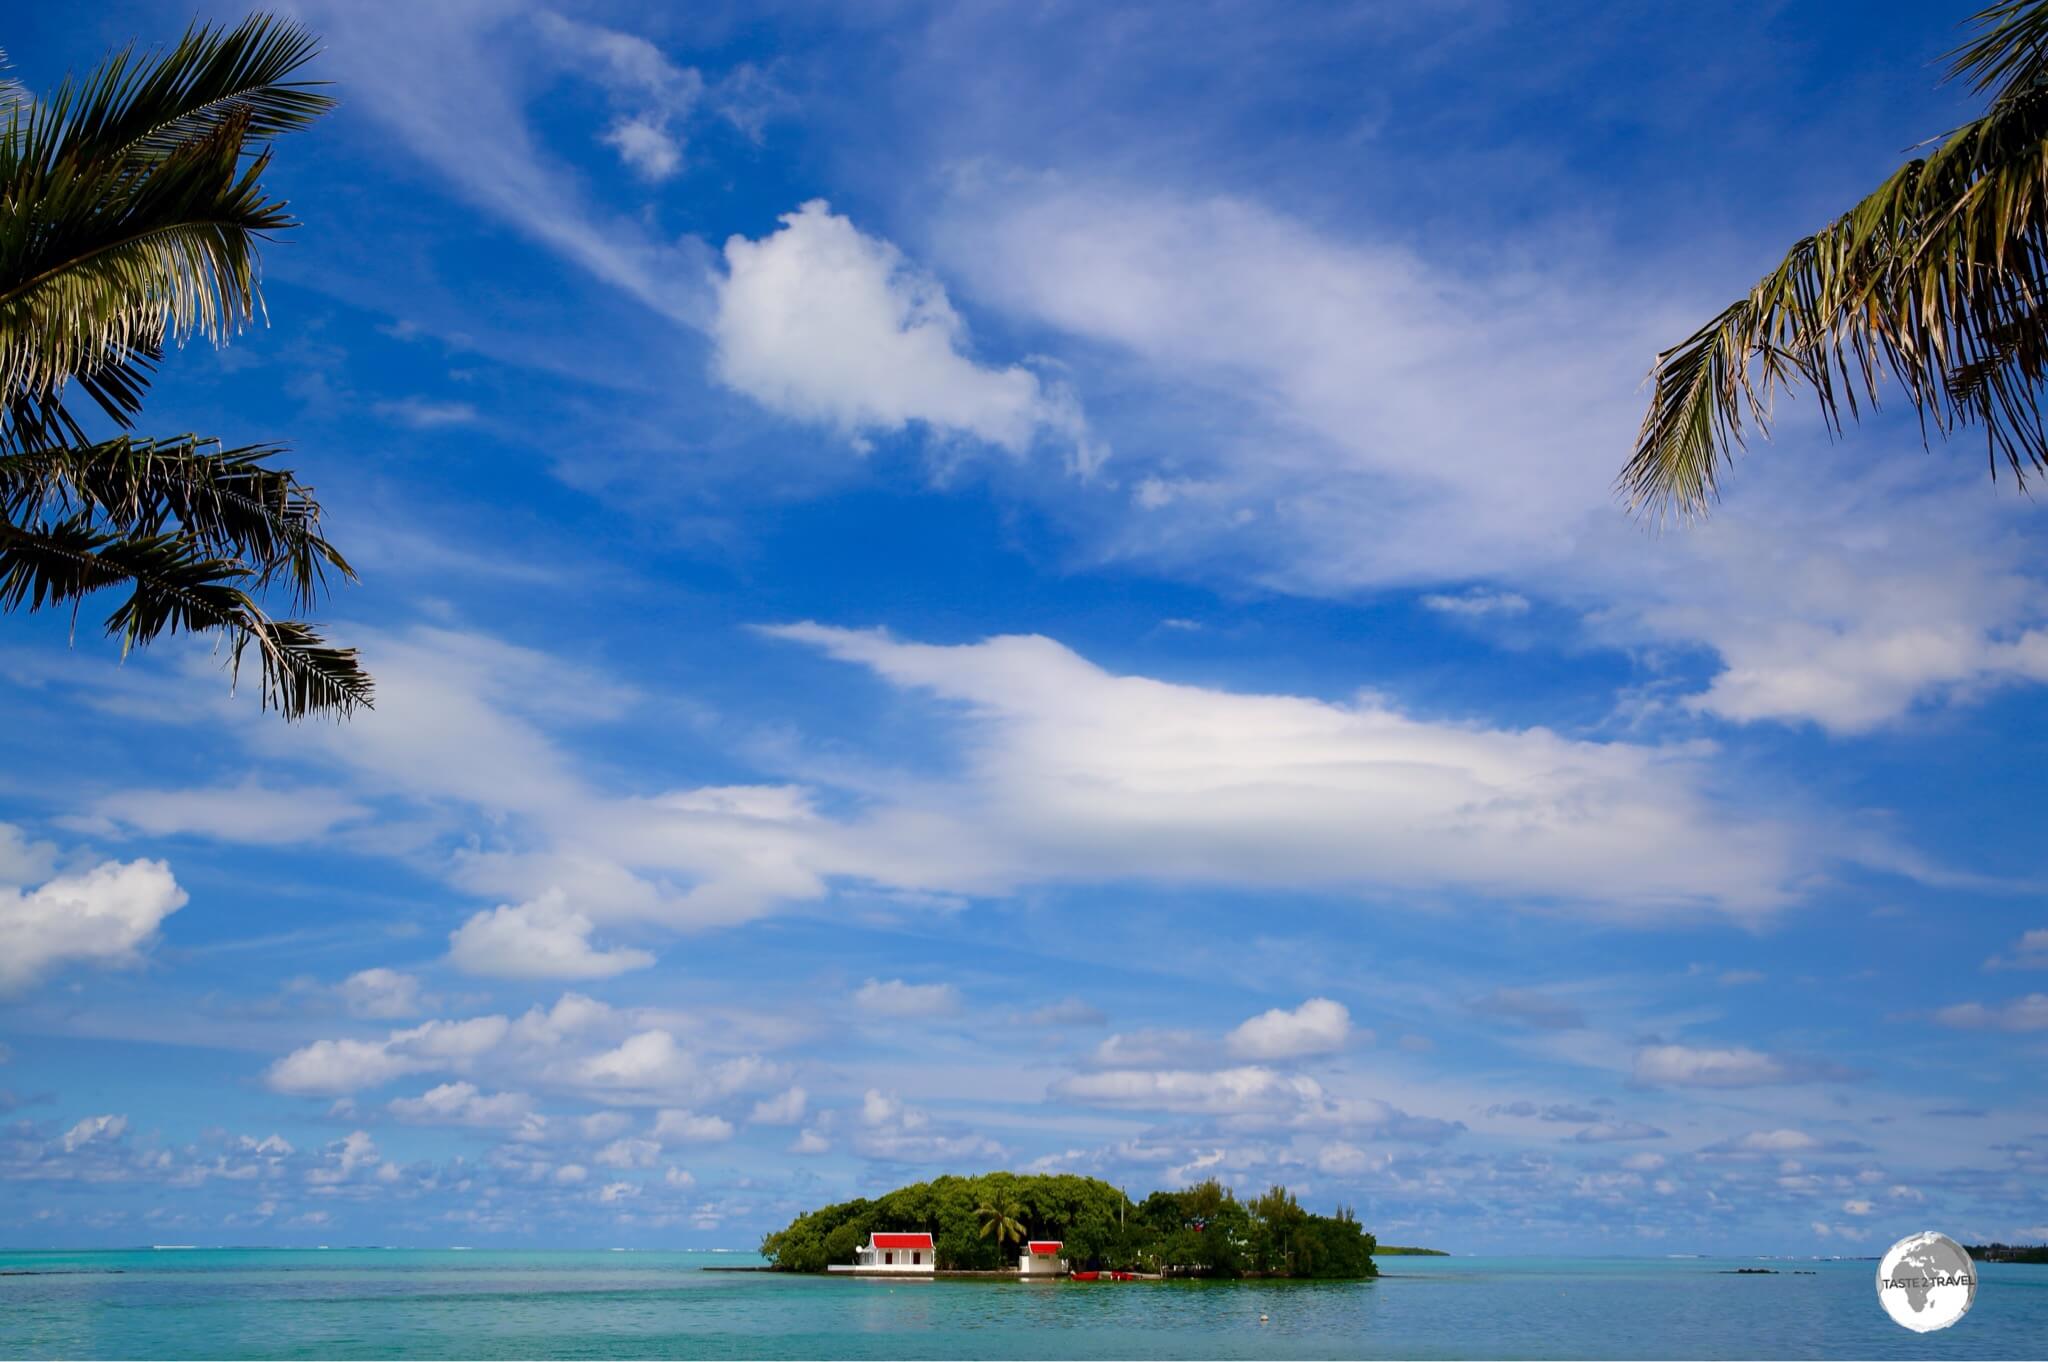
(131,205)
(1939,277)
(1002,1220)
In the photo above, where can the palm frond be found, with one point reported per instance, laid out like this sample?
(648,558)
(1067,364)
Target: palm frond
(211,78)
(229,501)
(1937,280)
(103,272)
(175,586)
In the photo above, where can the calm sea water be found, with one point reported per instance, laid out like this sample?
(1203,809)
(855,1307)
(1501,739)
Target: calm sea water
(379,1303)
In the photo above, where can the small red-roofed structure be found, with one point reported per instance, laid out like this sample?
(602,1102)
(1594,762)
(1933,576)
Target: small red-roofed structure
(1041,1258)
(904,1251)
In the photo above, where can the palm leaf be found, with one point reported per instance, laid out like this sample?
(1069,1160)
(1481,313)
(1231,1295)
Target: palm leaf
(225,501)
(174,586)
(1937,281)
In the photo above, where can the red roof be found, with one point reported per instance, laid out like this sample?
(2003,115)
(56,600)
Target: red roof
(1050,1247)
(897,1241)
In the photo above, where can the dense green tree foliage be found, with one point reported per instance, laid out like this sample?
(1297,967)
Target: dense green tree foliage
(1202,1230)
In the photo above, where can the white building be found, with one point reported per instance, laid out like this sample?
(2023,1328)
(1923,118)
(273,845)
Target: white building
(1041,1258)
(895,1253)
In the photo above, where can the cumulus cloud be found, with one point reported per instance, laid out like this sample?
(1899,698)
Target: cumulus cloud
(894,998)
(1318,1026)
(630,1153)
(892,1131)
(461,1104)
(102,917)
(784,1109)
(339,1067)
(828,325)
(541,939)
(381,994)
(692,1128)
(94,1130)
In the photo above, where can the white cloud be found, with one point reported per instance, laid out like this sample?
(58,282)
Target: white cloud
(102,917)
(647,147)
(461,1104)
(335,1067)
(894,998)
(1775,1142)
(381,994)
(1735,1067)
(648,1059)
(94,1130)
(423,413)
(1247,1088)
(2021,1014)
(692,1128)
(249,812)
(452,82)
(22,860)
(893,1131)
(1316,384)
(654,94)
(1477,602)
(1074,772)
(1318,1026)
(342,1159)
(1345,1160)
(784,1109)
(810,1143)
(1151,1047)
(2029,952)
(540,939)
(330,1067)
(825,324)
(630,1153)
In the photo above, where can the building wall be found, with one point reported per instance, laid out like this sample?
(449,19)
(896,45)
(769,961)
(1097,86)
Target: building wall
(1032,1265)
(876,1260)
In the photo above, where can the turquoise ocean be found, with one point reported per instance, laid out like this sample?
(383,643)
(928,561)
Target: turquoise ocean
(234,1303)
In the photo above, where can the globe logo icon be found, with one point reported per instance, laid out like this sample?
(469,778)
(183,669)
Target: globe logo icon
(1926,1282)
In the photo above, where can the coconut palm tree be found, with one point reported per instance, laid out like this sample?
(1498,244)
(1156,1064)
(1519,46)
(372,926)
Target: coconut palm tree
(1002,1220)
(1939,277)
(131,206)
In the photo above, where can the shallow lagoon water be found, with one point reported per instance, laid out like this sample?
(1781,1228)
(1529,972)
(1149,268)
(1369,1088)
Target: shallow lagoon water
(238,1303)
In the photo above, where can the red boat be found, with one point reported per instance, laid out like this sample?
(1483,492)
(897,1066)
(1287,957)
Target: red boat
(1084,1276)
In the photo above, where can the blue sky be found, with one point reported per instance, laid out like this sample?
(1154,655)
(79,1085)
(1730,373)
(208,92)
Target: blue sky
(1037,587)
